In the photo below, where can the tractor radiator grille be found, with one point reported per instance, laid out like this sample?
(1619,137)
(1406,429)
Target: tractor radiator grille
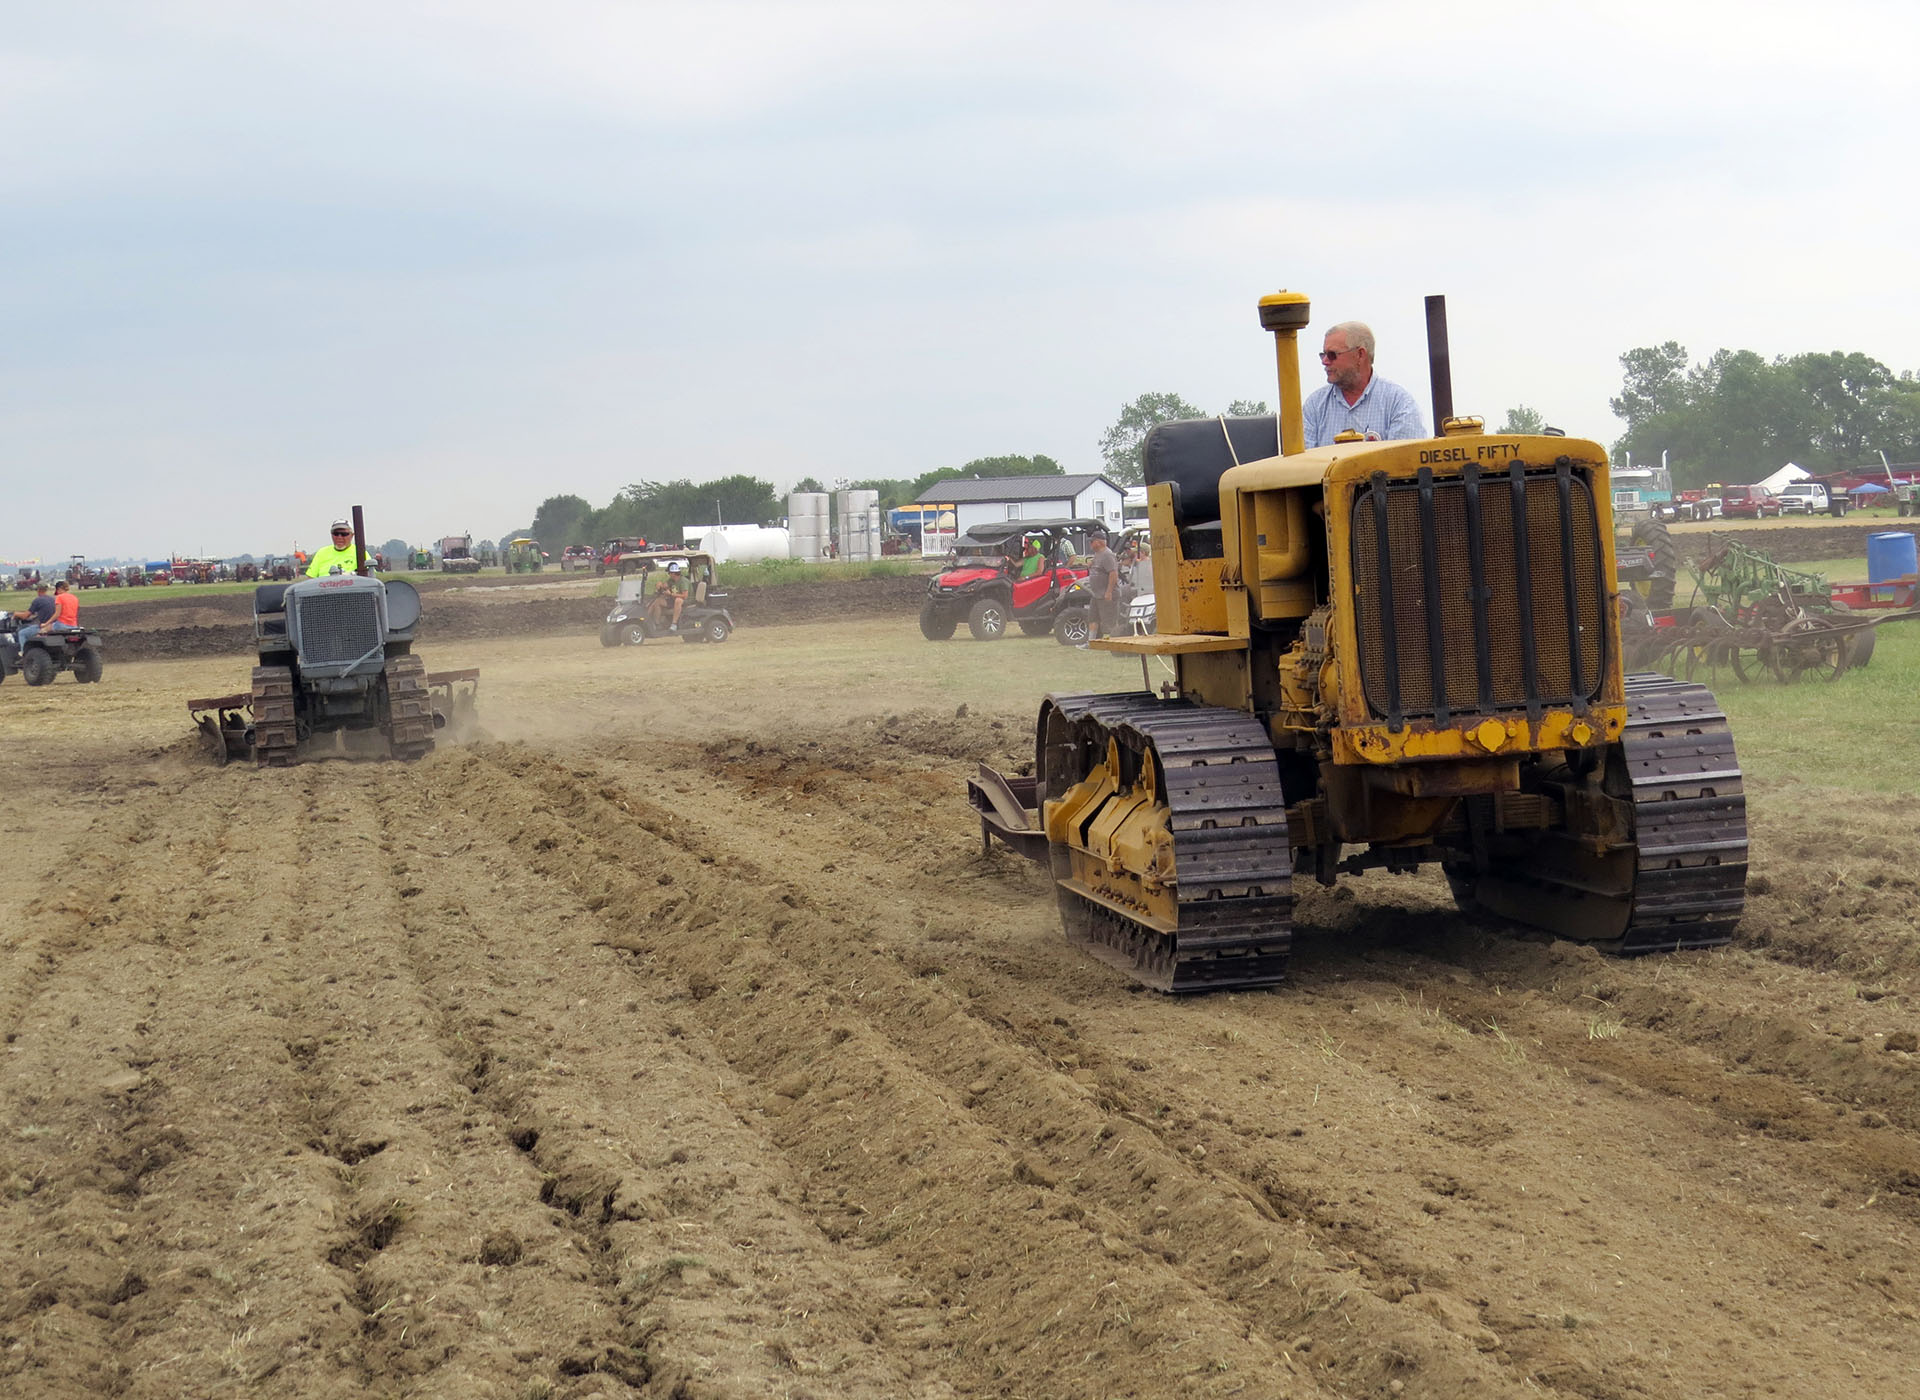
(339,628)
(1480,593)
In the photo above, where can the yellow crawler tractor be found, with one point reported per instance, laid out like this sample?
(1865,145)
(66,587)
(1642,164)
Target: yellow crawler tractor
(1386,655)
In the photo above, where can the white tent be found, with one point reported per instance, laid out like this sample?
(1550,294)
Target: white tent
(1786,476)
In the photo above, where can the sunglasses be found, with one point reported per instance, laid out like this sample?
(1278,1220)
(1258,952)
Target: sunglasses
(342,534)
(1329,356)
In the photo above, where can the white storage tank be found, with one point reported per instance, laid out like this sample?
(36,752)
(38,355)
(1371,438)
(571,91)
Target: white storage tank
(807,524)
(745,544)
(856,531)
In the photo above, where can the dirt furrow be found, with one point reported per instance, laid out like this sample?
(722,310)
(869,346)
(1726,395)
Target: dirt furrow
(900,1152)
(1167,1225)
(717,1281)
(459,1276)
(1336,1211)
(158,1164)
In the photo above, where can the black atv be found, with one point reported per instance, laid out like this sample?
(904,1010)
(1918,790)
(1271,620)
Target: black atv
(46,654)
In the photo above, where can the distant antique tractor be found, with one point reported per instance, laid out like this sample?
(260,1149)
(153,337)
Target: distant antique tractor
(336,653)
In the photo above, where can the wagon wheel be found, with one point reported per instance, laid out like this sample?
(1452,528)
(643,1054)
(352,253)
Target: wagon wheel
(1811,647)
(1703,647)
(1749,662)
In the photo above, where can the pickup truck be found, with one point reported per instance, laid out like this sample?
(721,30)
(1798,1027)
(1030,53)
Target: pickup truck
(1810,498)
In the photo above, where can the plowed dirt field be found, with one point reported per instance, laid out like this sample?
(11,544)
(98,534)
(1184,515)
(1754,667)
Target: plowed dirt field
(676,1039)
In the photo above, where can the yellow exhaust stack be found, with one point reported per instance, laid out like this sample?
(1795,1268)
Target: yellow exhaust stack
(1286,315)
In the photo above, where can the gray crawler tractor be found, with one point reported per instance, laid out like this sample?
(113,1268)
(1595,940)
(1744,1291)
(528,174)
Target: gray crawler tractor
(336,653)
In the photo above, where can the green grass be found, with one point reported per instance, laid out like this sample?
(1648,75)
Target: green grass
(1852,733)
(20,597)
(777,573)
(772,572)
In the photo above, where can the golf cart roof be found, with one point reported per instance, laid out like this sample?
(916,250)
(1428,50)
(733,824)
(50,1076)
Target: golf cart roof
(647,558)
(1000,531)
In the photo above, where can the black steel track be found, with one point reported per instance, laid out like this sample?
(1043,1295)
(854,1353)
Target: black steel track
(409,708)
(1233,863)
(1690,818)
(275,733)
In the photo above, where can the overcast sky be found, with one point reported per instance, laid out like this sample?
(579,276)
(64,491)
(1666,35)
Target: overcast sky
(266,259)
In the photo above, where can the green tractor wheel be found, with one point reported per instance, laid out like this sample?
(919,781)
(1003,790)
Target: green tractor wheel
(1652,535)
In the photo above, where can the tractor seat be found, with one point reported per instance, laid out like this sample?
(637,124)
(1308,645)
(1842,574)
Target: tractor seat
(1205,540)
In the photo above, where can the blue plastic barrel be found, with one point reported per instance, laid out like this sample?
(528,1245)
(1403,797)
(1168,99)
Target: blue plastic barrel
(1891,557)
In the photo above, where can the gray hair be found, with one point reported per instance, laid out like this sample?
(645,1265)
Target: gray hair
(1358,333)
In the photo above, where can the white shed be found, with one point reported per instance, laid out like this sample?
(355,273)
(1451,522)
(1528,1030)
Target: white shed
(981,500)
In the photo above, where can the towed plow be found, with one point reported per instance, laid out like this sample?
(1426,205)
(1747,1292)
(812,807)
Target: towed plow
(1761,620)
(1695,642)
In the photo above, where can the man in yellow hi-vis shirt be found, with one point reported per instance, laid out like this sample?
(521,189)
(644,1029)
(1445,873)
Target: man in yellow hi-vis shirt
(340,553)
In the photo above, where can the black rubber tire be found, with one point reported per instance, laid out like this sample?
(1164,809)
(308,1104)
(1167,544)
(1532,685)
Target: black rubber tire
(1653,535)
(987,620)
(610,635)
(633,633)
(1073,627)
(937,624)
(87,666)
(1034,628)
(36,667)
(714,629)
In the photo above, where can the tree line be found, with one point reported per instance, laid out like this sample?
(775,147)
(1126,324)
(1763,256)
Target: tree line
(661,510)
(1736,416)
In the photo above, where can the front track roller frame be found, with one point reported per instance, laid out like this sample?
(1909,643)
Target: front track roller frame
(1167,838)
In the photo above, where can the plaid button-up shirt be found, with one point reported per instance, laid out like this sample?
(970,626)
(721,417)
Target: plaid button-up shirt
(1383,412)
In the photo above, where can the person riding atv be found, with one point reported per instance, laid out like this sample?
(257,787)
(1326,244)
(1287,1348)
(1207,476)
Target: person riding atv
(40,650)
(990,579)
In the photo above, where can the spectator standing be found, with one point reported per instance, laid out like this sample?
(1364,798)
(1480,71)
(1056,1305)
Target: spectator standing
(1103,581)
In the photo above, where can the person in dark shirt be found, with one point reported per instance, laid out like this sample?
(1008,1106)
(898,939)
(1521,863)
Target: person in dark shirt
(38,614)
(1103,579)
